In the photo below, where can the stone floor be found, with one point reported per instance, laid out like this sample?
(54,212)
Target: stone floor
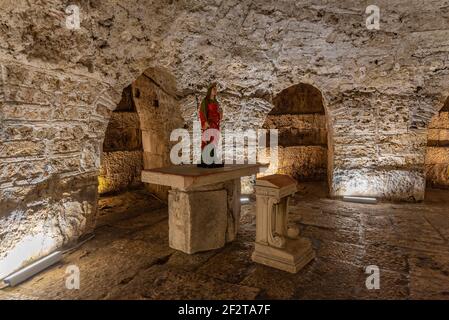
(129,257)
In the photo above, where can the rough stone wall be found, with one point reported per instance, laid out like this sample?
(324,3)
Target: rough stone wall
(437,156)
(377,151)
(380,89)
(52,128)
(138,134)
(122,157)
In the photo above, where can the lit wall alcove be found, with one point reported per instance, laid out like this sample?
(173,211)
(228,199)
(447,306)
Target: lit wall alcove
(300,118)
(138,134)
(437,153)
(122,158)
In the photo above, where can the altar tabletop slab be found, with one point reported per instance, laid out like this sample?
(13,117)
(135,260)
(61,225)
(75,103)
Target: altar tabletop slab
(190,176)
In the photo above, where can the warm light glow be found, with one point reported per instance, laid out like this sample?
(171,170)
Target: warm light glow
(103,184)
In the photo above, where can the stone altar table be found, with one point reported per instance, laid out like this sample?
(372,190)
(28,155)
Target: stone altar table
(277,245)
(203,205)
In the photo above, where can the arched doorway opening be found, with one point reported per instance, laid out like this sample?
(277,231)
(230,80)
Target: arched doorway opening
(299,115)
(137,138)
(122,157)
(437,153)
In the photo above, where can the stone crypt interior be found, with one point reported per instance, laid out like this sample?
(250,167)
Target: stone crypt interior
(86,117)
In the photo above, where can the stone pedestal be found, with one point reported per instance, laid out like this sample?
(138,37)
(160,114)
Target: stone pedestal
(277,245)
(203,205)
(204,218)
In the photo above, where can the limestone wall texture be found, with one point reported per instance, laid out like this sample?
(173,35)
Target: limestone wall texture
(58,88)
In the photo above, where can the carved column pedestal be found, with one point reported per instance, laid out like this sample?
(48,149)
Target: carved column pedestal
(277,245)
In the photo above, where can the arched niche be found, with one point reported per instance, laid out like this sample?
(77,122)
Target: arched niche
(300,118)
(138,133)
(437,153)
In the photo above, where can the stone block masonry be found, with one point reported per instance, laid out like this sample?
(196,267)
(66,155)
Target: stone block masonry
(49,159)
(376,151)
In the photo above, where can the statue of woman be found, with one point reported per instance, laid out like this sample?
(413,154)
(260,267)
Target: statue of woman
(210,115)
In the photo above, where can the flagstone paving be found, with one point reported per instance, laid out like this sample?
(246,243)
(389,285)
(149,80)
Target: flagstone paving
(129,257)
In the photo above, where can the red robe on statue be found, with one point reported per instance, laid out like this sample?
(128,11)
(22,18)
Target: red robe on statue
(213,118)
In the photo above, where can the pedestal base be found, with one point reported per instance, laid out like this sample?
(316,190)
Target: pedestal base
(204,218)
(292,258)
(204,204)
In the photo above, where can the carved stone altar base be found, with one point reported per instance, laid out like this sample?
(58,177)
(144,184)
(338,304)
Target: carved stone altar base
(203,205)
(277,245)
